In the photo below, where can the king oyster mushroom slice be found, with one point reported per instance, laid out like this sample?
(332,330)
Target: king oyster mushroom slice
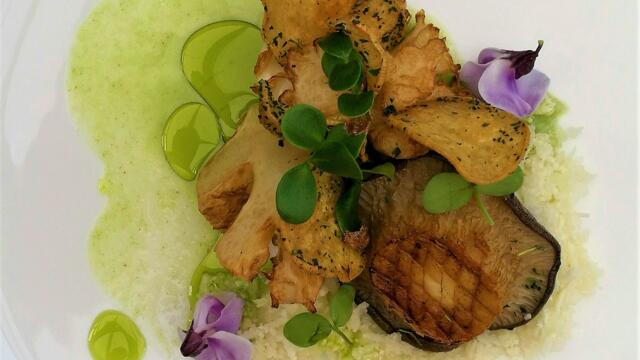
(442,280)
(484,143)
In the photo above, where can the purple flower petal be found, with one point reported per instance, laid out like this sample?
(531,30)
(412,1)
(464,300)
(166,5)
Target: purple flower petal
(231,316)
(193,343)
(230,346)
(489,54)
(532,88)
(212,332)
(470,74)
(208,311)
(208,354)
(497,86)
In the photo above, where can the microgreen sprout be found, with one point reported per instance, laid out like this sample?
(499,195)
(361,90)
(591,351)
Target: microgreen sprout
(307,329)
(334,151)
(344,68)
(449,191)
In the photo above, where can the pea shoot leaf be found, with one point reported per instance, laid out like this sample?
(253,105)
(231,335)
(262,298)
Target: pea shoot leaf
(329,63)
(296,195)
(342,305)
(386,169)
(334,157)
(307,329)
(304,126)
(345,76)
(354,105)
(338,45)
(504,187)
(347,208)
(354,143)
(446,192)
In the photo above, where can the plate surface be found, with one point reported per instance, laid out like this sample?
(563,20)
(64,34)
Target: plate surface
(49,175)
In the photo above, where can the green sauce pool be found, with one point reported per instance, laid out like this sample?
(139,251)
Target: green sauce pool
(218,61)
(122,86)
(114,336)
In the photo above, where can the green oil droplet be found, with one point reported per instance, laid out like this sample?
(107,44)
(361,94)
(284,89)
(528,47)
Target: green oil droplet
(114,336)
(190,135)
(218,61)
(209,265)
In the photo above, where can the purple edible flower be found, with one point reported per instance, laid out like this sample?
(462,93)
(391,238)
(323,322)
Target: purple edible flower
(506,79)
(213,332)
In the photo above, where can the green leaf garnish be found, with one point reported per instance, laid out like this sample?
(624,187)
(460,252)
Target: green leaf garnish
(338,45)
(334,157)
(304,126)
(342,305)
(329,63)
(347,209)
(507,186)
(354,105)
(345,76)
(386,169)
(446,192)
(450,191)
(296,195)
(354,143)
(307,329)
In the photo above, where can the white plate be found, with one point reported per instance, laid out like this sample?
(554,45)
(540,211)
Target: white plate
(49,175)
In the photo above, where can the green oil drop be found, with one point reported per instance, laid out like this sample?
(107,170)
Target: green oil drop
(190,135)
(218,61)
(209,265)
(114,336)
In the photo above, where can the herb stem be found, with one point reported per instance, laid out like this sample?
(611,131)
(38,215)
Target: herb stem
(528,251)
(342,335)
(483,207)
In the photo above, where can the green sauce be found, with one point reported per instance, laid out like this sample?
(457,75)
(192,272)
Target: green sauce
(114,336)
(546,119)
(209,265)
(122,87)
(192,132)
(218,62)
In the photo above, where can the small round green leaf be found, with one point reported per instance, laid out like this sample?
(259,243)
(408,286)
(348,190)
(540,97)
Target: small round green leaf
(504,187)
(307,329)
(386,169)
(446,192)
(354,105)
(338,45)
(329,63)
(296,195)
(342,305)
(304,126)
(347,208)
(345,76)
(354,143)
(333,157)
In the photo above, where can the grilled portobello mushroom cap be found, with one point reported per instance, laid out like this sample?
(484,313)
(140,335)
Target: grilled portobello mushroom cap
(442,280)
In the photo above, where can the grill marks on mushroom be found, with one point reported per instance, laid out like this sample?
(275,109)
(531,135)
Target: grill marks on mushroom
(447,278)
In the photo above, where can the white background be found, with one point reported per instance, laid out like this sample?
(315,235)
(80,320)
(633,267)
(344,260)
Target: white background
(47,290)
